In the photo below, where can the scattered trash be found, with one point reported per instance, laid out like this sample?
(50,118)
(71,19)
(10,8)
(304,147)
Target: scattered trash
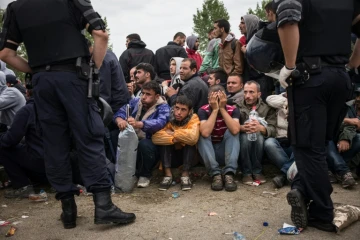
(255,183)
(345,215)
(175,195)
(11,231)
(212,214)
(24,216)
(289,230)
(41,197)
(269,193)
(265,224)
(182,216)
(83,190)
(238,236)
(173,183)
(4,223)
(4,205)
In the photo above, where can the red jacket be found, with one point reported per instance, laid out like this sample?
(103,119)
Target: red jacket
(196,56)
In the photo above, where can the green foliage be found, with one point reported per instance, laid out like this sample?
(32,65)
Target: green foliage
(90,38)
(212,10)
(259,10)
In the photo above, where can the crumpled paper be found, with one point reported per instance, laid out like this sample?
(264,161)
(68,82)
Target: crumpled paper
(345,215)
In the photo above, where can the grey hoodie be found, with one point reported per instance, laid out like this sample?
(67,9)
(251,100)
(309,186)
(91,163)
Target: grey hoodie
(5,70)
(252,25)
(11,100)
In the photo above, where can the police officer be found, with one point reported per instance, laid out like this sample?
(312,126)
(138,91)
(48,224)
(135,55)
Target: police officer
(315,47)
(60,93)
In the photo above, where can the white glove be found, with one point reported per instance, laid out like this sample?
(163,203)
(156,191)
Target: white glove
(285,74)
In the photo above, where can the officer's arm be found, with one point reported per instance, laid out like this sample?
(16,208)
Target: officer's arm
(10,38)
(288,15)
(96,27)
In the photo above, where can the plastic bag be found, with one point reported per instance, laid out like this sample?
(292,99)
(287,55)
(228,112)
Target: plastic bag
(345,215)
(126,159)
(291,173)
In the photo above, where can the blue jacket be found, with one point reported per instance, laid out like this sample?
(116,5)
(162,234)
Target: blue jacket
(154,122)
(24,126)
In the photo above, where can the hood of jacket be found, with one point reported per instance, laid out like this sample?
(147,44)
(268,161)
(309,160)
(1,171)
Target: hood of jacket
(136,44)
(252,25)
(3,85)
(190,41)
(4,69)
(175,78)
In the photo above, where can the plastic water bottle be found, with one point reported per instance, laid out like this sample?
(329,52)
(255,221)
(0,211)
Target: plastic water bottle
(252,116)
(238,236)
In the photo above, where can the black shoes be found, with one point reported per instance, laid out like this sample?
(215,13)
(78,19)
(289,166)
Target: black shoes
(217,183)
(279,181)
(230,184)
(321,225)
(69,214)
(106,212)
(299,212)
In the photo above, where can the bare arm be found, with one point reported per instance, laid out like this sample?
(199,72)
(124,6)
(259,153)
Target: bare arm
(232,123)
(10,57)
(207,126)
(100,46)
(289,37)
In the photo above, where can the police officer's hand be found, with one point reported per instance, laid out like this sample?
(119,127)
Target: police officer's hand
(284,75)
(343,146)
(121,123)
(214,101)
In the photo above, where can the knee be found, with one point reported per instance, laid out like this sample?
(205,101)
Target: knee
(270,143)
(145,145)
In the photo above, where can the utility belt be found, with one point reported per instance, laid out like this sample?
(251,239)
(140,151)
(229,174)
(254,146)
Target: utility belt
(83,68)
(310,66)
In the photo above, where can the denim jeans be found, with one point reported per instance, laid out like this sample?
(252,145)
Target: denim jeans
(251,154)
(223,153)
(355,149)
(169,155)
(147,157)
(335,160)
(281,157)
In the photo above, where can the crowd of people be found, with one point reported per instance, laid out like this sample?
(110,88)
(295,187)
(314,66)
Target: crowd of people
(185,107)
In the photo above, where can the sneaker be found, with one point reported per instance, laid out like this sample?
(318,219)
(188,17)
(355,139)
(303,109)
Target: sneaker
(247,179)
(165,183)
(347,180)
(279,181)
(217,183)
(230,184)
(22,192)
(143,182)
(332,177)
(259,177)
(185,183)
(299,212)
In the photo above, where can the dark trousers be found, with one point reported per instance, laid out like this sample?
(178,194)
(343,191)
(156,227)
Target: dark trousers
(111,141)
(62,107)
(147,158)
(319,109)
(170,156)
(21,167)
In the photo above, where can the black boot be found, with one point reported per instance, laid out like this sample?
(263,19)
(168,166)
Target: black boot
(106,212)
(69,214)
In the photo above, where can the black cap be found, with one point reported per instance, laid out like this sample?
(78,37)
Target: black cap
(11,79)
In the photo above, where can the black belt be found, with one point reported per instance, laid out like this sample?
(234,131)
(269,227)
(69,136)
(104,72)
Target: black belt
(55,68)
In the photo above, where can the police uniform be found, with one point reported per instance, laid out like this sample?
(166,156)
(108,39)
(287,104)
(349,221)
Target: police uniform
(51,32)
(319,97)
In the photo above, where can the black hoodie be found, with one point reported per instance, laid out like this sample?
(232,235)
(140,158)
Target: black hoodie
(135,53)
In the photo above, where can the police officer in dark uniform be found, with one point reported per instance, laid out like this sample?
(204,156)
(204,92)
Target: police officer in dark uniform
(315,38)
(53,40)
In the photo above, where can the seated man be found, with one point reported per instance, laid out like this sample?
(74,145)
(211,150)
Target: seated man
(235,89)
(217,76)
(219,141)
(194,87)
(148,114)
(177,141)
(278,149)
(23,162)
(251,152)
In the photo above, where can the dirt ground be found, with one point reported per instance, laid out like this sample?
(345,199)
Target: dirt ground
(159,216)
